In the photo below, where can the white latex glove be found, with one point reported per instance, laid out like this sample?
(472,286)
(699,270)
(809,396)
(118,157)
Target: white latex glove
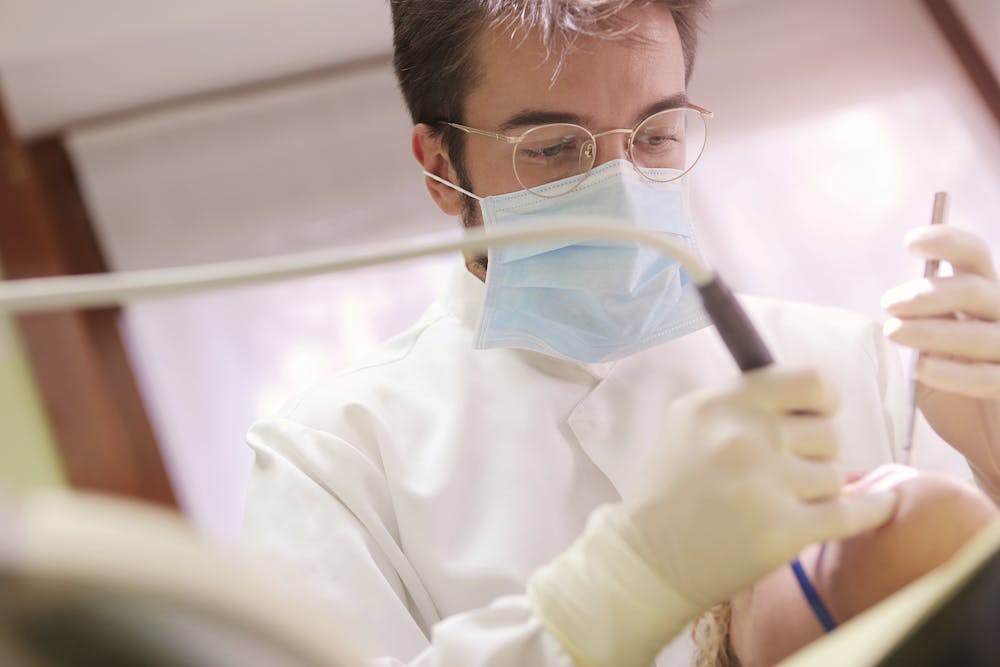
(746,478)
(954,321)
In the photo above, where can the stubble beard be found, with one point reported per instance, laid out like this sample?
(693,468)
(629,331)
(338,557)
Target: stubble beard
(471,218)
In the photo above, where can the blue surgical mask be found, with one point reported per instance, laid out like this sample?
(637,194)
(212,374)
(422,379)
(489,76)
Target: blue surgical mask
(593,301)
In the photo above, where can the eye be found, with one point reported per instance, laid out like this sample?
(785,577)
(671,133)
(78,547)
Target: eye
(661,138)
(551,149)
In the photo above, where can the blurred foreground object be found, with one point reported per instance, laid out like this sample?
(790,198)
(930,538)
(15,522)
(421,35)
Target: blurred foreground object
(90,580)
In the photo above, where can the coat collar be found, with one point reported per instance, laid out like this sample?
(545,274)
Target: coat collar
(619,423)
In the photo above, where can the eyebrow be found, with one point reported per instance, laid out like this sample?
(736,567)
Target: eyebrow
(527,117)
(539,117)
(673,102)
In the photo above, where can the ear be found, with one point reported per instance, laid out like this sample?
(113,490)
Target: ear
(431,155)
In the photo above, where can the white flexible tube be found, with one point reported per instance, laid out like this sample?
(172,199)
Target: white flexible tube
(107,289)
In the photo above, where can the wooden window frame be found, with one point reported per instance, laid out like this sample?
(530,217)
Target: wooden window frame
(87,385)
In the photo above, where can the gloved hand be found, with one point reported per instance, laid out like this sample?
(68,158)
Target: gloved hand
(744,479)
(954,321)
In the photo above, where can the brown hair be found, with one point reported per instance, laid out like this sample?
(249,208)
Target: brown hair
(433,44)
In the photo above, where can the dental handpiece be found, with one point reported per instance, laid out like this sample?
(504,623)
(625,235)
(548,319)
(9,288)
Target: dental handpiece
(734,326)
(111,289)
(750,353)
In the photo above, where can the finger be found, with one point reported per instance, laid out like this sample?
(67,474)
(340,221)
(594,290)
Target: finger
(853,477)
(981,380)
(809,437)
(784,390)
(883,478)
(970,339)
(966,252)
(811,480)
(972,295)
(845,517)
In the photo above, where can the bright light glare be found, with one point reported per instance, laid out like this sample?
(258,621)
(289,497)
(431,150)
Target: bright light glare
(856,167)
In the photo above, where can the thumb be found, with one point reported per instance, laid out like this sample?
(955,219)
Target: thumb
(847,516)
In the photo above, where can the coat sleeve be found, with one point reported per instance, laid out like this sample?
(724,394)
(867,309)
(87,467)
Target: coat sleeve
(319,506)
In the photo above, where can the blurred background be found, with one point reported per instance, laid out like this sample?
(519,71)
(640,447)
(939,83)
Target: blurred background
(147,133)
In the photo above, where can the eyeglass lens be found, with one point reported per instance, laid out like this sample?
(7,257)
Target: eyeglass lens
(664,147)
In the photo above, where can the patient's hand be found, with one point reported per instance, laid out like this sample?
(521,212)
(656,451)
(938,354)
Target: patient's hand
(935,516)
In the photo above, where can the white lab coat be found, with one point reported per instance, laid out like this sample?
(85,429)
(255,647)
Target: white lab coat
(419,492)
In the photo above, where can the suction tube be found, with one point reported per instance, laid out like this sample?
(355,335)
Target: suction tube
(108,289)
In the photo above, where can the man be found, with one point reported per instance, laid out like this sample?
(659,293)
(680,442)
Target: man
(562,465)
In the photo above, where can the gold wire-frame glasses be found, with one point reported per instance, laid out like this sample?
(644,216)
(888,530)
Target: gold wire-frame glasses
(554,159)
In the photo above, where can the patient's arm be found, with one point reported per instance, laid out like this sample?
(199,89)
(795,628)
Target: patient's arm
(936,515)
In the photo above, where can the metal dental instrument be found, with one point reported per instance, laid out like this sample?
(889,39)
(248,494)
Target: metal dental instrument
(938,217)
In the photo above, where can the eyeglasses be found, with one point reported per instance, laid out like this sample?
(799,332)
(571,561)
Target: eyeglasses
(662,148)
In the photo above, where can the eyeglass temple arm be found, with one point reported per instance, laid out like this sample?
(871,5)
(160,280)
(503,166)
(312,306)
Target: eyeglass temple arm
(472,130)
(702,110)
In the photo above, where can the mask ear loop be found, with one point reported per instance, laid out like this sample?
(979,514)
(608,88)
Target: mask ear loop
(451,185)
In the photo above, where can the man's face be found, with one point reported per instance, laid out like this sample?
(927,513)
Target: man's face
(602,84)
